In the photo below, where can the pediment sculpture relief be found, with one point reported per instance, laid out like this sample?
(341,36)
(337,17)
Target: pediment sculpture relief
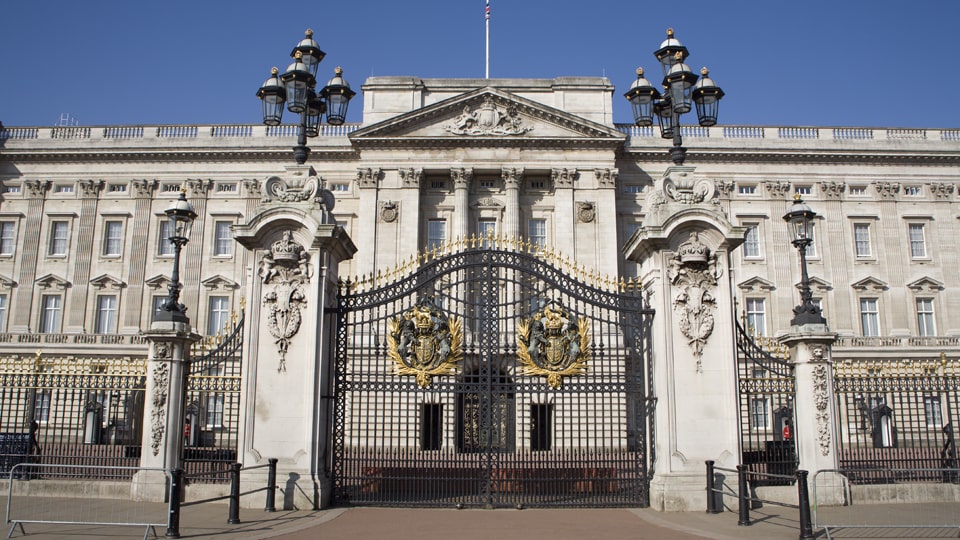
(489,119)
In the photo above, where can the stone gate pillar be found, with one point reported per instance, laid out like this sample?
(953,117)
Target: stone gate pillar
(683,248)
(296,248)
(163,408)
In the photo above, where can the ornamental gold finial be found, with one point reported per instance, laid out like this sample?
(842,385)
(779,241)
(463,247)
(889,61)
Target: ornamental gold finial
(309,33)
(669,32)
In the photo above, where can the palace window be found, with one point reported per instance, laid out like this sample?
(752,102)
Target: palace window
(59,237)
(918,244)
(218,312)
(759,413)
(925,317)
(41,406)
(436,233)
(214,408)
(756,316)
(747,189)
(803,190)
(541,427)
(812,247)
(63,188)
(869,317)
(913,191)
(932,412)
(3,312)
(117,188)
(751,243)
(633,188)
(486,228)
(431,426)
(223,239)
(164,245)
(106,321)
(50,307)
(156,303)
(8,237)
(339,187)
(861,240)
(112,238)
(858,191)
(537,232)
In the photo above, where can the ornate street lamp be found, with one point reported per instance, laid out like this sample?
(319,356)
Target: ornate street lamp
(681,87)
(800,218)
(297,89)
(180,216)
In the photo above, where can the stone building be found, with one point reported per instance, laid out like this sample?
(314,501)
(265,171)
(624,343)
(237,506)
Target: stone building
(83,249)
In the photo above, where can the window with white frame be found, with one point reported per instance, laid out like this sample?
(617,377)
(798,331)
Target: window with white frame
(803,190)
(486,228)
(756,316)
(223,239)
(8,237)
(861,240)
(3,312)
(858,191)
(925,317)
(164,245)
(156,304)
(932,412)
(633,188)
(59,238)
(918,243)
(436,233)
(869,317)
(339,187)
(751,242)
(759,413)
(537,232)
(214,408)
(218,312)
(50,308)
(747,189)
(106,320)
(41,406)
(913,191)
(63,188)
(112,238)
(812,246)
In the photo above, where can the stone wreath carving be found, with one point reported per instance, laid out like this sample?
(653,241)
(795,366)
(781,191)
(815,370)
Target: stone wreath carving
(284,270)
(693,272)
(389,211)
(489,119)
(586,212)
(158,420)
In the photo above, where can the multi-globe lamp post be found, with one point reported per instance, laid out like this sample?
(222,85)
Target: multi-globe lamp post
(683,89)
(296,88)
(180,215)
(800,219)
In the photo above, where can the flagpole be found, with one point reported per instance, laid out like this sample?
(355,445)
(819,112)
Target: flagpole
(487,16)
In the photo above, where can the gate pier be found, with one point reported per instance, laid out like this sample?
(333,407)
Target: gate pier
(683,249)
(296,248)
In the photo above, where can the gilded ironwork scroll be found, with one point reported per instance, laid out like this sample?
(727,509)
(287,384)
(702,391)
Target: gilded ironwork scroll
(553,344)
(425,342)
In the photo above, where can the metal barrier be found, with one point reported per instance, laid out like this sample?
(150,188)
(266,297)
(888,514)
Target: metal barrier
(744,499)
(63,494)
(233,512)
(886,498)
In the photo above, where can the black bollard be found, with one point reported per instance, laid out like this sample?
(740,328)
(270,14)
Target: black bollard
(803,496)
(711,490)
(744,498)
(272,486)
(173,520)
(234,516)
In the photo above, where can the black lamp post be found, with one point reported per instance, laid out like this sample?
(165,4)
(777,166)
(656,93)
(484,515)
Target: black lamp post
(297,89)
(800,217)
(681,86)
(181,216)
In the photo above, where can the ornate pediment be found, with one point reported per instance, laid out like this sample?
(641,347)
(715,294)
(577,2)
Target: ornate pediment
(51,281)
(106,281)
(491,115)
(756,284)
(925,284)
(157,281)
(7,283)
(870,284)
(220,282)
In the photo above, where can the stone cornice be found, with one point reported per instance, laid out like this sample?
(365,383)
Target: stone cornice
(768,155)
(166,155)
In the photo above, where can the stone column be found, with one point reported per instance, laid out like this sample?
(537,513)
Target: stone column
(22,316)
(368,180)
(814,410)
(163,409)
(461,202)
(564,214)
(511,217)
(296,248)
(683,249)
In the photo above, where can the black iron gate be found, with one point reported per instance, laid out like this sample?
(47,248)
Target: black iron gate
(492,378)
(766,388)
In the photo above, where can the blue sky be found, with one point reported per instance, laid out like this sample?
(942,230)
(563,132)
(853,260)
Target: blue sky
(877,63)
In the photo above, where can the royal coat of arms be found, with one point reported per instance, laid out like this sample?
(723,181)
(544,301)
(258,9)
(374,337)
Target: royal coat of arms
(425,342)
(553,344)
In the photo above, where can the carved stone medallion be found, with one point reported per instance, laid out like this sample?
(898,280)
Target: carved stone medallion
(424,342)
(553,344)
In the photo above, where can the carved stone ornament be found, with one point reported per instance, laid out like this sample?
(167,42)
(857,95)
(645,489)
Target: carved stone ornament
(941,190)
(158,417)
(294,189)
(284,270)
(887,190)
(832,190)
(424,342)
(389,211)
(489,119)
(586,212)
(162,350)
(694,271)
(822,403)
(553,344)
(777,188)
(683,187)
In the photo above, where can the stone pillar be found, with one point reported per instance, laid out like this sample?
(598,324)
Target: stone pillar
(511,217)
(814,410)
(163,408)
(683,249)
(461,202)
(564,214)
(296,248)
(368,180)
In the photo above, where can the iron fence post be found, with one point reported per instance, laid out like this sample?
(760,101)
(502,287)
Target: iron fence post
(234,516)
(803,497)
(272,485)
(173,519)
(711,489)
(743,496)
